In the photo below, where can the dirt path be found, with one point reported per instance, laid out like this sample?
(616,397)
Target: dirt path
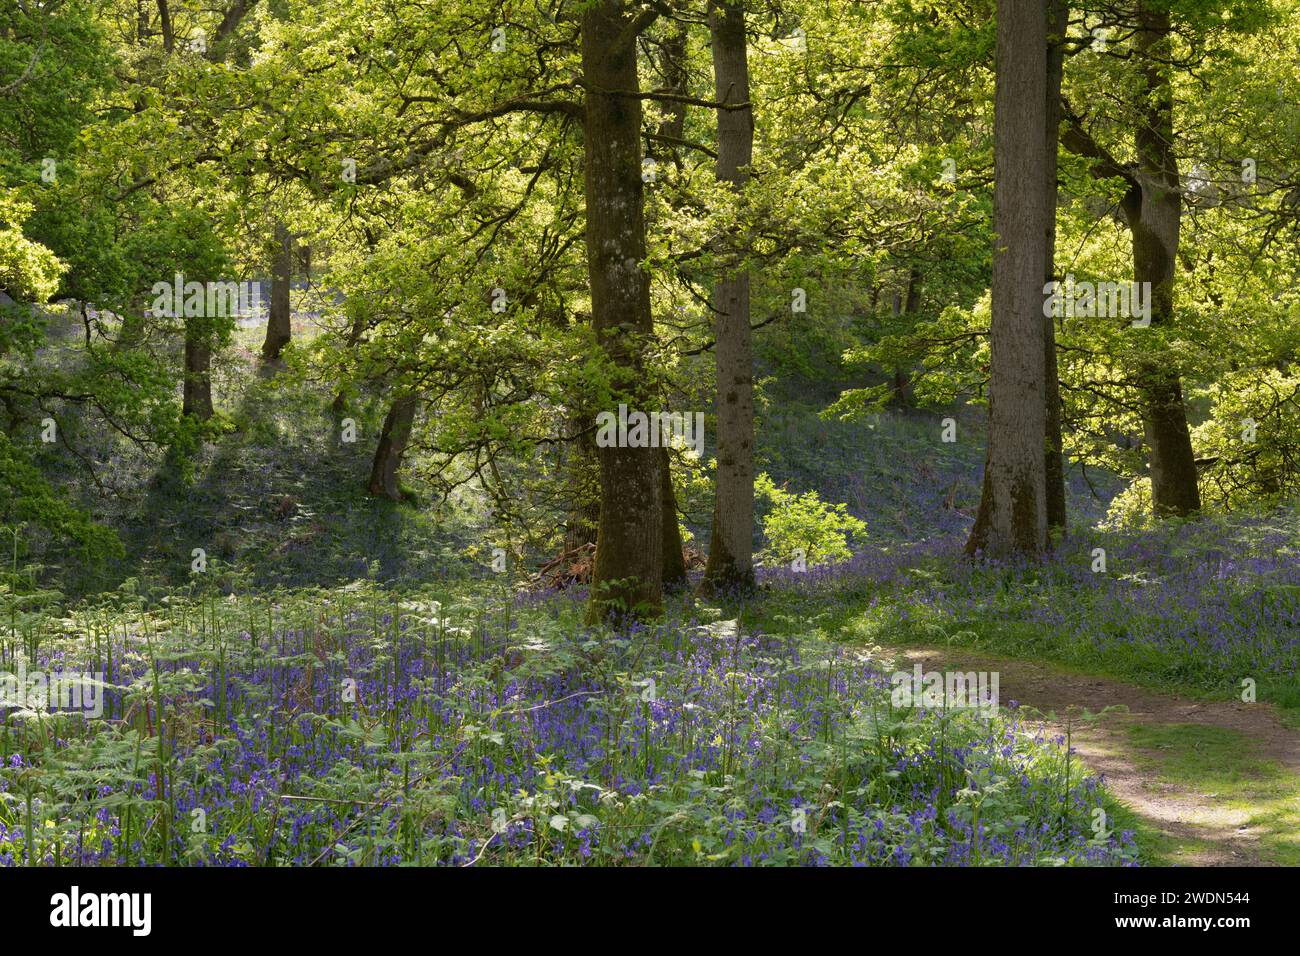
(1199,825)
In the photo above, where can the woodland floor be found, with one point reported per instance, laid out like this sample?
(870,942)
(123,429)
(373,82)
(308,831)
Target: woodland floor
(1203,781)
(1208,782)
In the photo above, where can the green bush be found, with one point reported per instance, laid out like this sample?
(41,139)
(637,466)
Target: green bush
(803,522)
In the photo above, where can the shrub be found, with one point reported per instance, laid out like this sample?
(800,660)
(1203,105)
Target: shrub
(805,523)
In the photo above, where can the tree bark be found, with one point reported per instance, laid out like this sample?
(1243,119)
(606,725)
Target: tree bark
(278,329)
(627,577)
(1012,516)
(360,316)
(393,439)
(906,304)
(674,576)
(672,67)
(1058,15)
(730,566)
(666,144)
(582,484)
(197,388)
(165,26)
(1156,227)
(1152,207)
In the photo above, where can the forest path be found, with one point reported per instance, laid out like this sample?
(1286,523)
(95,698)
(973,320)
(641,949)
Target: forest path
(1218,781)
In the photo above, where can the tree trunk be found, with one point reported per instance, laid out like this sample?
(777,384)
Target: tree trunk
(165,26)
(908,304)
(1156,227)
(731,565)
(674,575)
(134,326)
(197,388)
(1058,15)
(360,316)
(672,67)
(582,486)
(627,578)
(673,61)
(582,523)
(393,439)
(278,329)
(1012,515)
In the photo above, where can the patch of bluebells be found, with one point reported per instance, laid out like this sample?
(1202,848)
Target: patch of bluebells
(513,736)
(1208,602)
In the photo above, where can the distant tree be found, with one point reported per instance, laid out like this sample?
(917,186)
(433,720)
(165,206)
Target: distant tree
(278,328)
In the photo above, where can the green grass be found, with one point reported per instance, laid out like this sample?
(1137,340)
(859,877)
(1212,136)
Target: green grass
(1155,848)
(1209,759)
(1226,762)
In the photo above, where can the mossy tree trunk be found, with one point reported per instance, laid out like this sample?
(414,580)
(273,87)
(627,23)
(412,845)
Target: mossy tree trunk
(627,580)
(1012,516)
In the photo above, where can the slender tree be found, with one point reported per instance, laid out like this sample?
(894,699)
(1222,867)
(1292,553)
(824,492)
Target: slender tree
(393,439)
(1058,19)
(278,328)
(664,143)
(196,389)
(1155,219)
(905,304)
(1152,207)
(581,487)
(1012,516)
(730,565)
(674,569)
